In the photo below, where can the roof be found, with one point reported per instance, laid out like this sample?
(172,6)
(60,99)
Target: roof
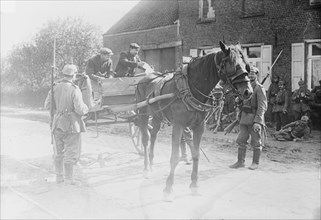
(147,14)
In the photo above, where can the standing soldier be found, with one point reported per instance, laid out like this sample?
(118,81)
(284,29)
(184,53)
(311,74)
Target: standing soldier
(301,98)
(271,99)
(281,106)
(67,124)
(252,123)
(128,61)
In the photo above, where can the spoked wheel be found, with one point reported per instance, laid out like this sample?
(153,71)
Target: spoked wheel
(136,137)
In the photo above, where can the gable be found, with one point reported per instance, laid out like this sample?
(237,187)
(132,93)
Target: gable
(147,15)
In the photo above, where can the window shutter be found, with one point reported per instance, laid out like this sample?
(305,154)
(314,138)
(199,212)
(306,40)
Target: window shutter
(297,66)
(266,53)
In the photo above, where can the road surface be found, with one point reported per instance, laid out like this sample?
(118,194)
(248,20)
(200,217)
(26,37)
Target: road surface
(113,186)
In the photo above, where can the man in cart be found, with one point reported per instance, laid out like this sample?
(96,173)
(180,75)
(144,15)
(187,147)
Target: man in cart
(128,61)
(100,66)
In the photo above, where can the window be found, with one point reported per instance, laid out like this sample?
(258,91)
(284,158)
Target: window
(206,10)
(253,52)
(314,63)
(251,8)
(315,2)
(316,49)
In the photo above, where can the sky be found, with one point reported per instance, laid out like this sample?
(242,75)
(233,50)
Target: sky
(22,19)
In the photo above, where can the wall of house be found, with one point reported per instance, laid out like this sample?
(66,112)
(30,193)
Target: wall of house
(164,37)
(283,23)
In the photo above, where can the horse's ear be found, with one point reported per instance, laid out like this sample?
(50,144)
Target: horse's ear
(223,47)
(238,45)
(248,68)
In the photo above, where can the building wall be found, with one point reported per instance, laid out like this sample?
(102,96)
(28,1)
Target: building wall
(283,23)
(157,38)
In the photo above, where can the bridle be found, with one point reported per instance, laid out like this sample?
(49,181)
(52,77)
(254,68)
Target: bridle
(233,78)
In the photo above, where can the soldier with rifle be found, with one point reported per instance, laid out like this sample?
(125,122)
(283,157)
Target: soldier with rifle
(230,127)
(252,123)
(66,102)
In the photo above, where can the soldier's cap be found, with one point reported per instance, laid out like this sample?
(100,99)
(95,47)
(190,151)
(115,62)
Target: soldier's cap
(134,45)
(106,51)
(305,118)
(254,70)
(69,70)
(281,83)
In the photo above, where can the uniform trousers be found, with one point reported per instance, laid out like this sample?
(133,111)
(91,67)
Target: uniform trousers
(245,132)
(67,146)
(281,120)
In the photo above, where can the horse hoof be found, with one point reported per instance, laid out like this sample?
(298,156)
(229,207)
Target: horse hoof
(195,192)
(168,197)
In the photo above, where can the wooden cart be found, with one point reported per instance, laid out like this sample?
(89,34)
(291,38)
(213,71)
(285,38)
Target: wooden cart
(114,95)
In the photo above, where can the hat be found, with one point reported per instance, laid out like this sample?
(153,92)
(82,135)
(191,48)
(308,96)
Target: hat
(305,118)
(69,70)
(281,83)
(134,45)
(106,51)
(254,70)
(301,82)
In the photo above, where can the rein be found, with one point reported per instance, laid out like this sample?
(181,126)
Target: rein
(220,73)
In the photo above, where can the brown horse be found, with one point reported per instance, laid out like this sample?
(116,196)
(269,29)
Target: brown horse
(229,65)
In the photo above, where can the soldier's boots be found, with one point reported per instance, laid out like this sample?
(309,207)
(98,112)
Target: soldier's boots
(59,171)
(256,159)
(240,159)
(69,172)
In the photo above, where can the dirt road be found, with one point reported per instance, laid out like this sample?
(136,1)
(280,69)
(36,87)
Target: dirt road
(114,188)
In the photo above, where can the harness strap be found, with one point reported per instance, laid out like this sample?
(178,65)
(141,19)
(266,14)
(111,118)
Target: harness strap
(186,96)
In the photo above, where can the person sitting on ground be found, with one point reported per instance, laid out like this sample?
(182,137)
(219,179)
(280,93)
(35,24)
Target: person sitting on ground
(100,66)
(128,61)
(294,131)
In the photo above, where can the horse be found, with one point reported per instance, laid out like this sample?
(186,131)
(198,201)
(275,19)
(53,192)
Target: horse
(188,108)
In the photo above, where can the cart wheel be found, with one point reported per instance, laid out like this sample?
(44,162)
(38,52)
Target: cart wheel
(136,137)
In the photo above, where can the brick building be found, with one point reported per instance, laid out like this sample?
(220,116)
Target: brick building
(169,30)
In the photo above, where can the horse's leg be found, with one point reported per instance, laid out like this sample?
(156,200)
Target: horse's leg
(143,125)
(177,132)
(153,135)
(197,135)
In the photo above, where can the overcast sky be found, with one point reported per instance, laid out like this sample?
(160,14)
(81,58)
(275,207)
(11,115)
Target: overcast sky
(21,20)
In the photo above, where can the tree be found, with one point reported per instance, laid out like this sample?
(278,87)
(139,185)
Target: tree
(29,64)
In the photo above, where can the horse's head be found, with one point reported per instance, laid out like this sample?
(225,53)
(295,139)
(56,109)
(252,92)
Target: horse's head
(234,68)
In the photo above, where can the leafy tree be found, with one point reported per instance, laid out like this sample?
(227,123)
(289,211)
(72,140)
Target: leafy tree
(29,65)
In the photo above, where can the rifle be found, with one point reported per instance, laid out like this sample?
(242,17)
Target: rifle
(230,127)
(52,101)
(268,73)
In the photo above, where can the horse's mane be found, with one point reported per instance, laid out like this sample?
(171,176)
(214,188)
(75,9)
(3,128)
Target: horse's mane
(201,62)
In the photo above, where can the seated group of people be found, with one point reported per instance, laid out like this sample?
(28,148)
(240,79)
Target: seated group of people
(101,66)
